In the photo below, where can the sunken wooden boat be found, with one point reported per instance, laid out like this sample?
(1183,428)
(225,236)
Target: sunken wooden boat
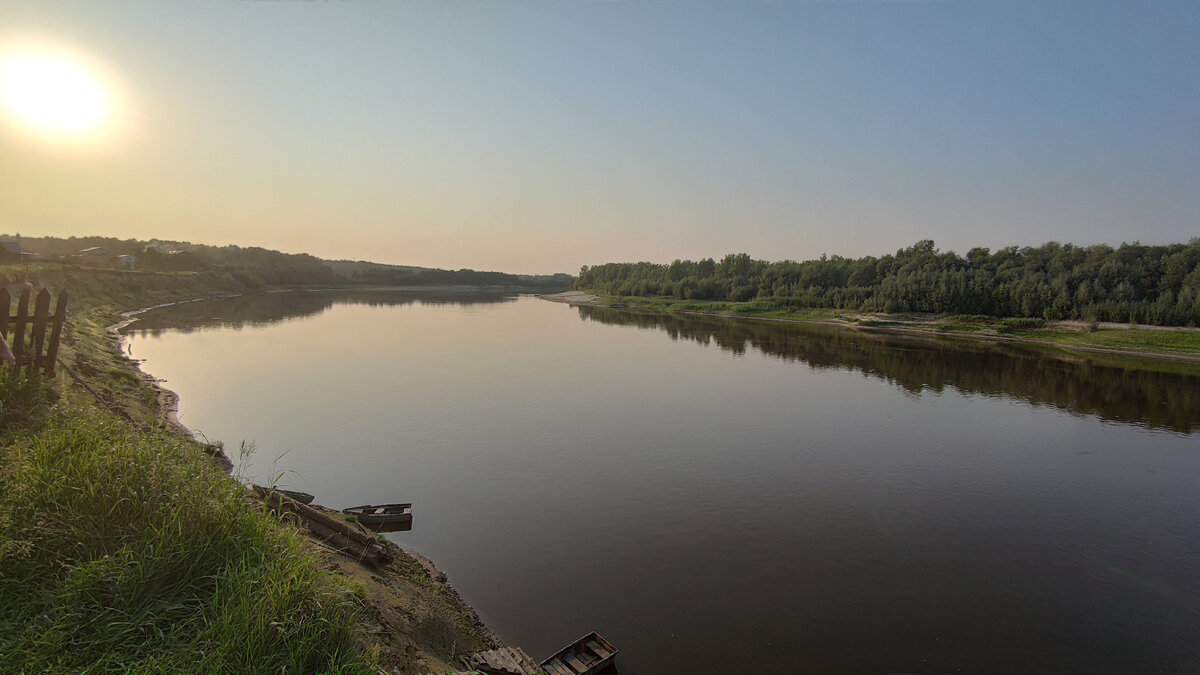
(302,497)
(379,514)
(588,655)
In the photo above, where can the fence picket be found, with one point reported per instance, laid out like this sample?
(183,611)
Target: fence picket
(37,339)
(18,342)
(40,352)
(5,308)
(60,315)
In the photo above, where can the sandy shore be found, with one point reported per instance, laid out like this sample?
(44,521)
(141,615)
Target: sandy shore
(572,298)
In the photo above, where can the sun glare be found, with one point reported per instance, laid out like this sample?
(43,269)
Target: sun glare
(54,95)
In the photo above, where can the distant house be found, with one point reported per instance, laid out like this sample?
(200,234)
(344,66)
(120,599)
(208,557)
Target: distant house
(93,252)
(126,261)
(10,245)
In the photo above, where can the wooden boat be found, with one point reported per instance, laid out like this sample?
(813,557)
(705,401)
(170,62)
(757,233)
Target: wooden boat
(381,513)
(588,655)
(302,497)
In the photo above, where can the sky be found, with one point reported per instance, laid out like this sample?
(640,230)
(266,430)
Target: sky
(536,137)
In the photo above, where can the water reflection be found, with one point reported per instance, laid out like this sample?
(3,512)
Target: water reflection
(262,309)
(811,506)
(1114,389)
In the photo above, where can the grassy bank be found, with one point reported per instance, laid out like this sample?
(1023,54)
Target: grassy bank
(1173,343)
(130,551)
(125,548)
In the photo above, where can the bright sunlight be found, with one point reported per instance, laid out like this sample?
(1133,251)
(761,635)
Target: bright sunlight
(53,94)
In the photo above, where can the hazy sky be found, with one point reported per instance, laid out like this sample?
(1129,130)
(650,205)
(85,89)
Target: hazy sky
(541,136)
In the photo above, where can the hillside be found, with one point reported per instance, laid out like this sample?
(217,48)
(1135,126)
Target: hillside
(125,547)
(255,267)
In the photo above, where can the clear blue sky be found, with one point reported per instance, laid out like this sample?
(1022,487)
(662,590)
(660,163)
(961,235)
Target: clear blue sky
(539,136)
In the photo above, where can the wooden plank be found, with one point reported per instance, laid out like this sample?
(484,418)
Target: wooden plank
(526,659)
(18,341)
(554,667)
(37,339)
(333,531)
(5,308)
(575,662)
(595,646)
(60,316)
(524,663)
(496,661)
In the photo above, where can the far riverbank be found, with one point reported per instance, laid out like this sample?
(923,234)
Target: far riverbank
(1176,344)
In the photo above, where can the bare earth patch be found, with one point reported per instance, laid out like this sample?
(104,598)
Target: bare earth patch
(572,298)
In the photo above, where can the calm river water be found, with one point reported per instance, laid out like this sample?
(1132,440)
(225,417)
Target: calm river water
(727,497)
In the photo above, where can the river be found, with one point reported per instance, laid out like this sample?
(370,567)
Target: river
(720,496)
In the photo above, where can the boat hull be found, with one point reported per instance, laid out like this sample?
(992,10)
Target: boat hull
(589,655)
(381,514)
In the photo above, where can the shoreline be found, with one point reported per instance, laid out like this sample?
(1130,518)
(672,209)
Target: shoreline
(167,408)
(587,299)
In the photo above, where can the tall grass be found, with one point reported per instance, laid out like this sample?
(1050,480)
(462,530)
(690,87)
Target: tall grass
(123,551)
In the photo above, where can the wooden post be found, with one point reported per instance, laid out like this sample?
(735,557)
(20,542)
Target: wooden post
(18,341)
(5,310)
(37,339)
(60,315)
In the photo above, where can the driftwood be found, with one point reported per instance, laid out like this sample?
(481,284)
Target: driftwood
(502,661)
(341,536)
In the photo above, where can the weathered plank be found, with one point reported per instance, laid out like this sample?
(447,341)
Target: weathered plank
(60,316)
(526,660)
(18,342)
(37,339)
(575,662)
(5,308)
(333,531)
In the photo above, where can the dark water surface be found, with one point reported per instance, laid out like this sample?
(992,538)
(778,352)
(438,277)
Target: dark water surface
(728,497)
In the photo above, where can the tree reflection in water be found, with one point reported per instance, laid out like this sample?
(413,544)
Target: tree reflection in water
(1147,392)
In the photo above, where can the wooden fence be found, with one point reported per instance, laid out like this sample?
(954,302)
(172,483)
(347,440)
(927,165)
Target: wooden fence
(37,353)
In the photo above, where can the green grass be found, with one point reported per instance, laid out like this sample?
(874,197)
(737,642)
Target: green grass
(766,308)
(1169,341)
(123,551)
(1147,341)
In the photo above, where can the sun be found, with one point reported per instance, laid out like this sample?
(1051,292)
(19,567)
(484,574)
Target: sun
(53,94)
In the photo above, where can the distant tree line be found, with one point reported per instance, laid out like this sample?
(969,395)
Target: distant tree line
(1157,285)
(257,267)
(419,276)
(249,266)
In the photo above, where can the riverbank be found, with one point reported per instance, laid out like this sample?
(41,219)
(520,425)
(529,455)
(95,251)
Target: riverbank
(404,618)
(1175,344)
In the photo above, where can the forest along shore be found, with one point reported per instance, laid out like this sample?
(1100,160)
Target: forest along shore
(1178,344)
(129,458)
